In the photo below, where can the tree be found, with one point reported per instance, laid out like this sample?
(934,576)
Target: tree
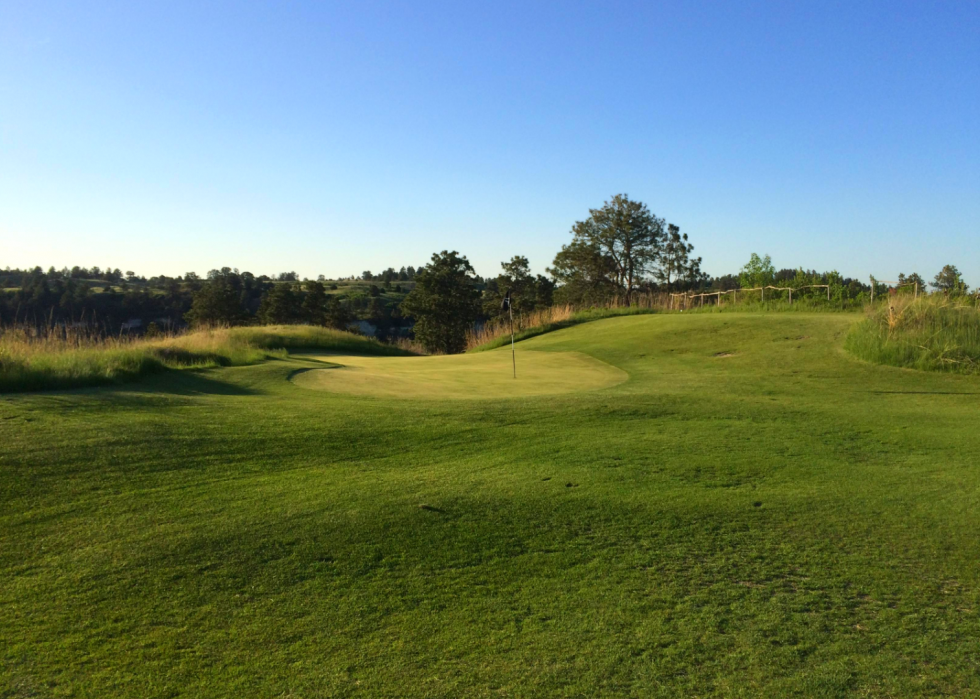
(217,302)
(625,232)
(444,303)
(315,304)
(516,278)
(674,261)
(379,315)
(583,273)
(912,280)
(544,289)
(337,316)
(949,281)
(757,272)
(280,305)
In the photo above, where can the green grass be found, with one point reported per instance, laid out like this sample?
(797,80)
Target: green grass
(751,513)
(933,333)
(483,376)
(32,364)
(574,318)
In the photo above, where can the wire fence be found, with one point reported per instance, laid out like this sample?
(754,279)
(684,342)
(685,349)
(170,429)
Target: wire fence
(687,297)
(691,299)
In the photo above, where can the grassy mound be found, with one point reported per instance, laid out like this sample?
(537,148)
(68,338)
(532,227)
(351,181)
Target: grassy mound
(932,333)
(30,363)
(487,375)
(497,334)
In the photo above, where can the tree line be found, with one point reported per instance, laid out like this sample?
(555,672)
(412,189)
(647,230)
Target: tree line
(621,250)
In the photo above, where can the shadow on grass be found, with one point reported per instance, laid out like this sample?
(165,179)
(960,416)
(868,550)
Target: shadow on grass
(181,383)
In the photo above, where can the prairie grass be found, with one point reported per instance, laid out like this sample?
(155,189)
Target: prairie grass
(935,332)
(496,333)
(31,360)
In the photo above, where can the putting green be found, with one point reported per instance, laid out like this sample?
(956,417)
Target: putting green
(481,375)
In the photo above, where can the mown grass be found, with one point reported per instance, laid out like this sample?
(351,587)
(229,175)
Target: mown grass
(31,362)
(933,333)
(497,334)
(474,376)
(752,513)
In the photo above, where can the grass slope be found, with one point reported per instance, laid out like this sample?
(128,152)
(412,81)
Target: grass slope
(752,513)
(33,364)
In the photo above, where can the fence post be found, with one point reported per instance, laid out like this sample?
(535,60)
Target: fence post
(872,290)
(791,296)
(828,292)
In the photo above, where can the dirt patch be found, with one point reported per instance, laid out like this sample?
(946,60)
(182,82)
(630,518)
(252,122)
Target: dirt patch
(722,355)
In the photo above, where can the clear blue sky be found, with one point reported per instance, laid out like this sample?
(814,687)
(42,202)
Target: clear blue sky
(329,137)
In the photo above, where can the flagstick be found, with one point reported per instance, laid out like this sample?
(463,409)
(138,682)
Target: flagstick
(513,356)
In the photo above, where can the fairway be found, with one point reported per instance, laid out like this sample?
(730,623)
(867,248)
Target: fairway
(659,506)
(478,376)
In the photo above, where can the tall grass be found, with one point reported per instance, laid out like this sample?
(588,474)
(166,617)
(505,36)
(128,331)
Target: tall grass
(932,333)
(496,333)
(32,360)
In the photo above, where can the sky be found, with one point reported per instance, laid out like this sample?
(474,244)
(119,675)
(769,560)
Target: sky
(331,138)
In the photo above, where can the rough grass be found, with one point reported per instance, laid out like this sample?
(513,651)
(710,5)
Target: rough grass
(31,362)
(933,333)
(783,521)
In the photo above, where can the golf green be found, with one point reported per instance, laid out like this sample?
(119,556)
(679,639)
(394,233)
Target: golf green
(484,375)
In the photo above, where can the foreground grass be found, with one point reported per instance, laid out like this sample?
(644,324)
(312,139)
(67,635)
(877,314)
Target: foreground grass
(32,364)
(751,513)
(931,333)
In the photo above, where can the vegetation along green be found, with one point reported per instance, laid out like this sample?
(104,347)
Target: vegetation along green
(29,362)
(661,505)
(937,332)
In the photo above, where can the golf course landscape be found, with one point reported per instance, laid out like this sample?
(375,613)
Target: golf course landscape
(661,505)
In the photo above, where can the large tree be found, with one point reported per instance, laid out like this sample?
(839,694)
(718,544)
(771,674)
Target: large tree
(444,303)
(625,233)
(337,315)
(527,292)
(759,271)
(674,261)
(280,305)
(912,280)
(583,274)
(315,303)
(949,281)
(218,301)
